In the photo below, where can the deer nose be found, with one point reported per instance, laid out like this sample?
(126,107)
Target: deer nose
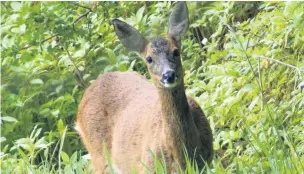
(169,76)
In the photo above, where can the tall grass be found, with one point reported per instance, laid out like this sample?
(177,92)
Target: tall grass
(261,133)
(267,158)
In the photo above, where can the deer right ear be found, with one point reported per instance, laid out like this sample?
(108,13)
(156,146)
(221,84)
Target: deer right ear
(129,36)
(178,22)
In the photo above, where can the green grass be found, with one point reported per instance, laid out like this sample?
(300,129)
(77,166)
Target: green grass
(267,158)
(247,78)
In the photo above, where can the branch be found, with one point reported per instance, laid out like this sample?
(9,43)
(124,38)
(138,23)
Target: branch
(282,63)
(78,19)
(84,15)
(40,42)
(79,77)
(261,84)
(263,57)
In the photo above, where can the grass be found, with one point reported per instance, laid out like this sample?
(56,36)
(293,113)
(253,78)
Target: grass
(267,147)
(258,130)
(267,158)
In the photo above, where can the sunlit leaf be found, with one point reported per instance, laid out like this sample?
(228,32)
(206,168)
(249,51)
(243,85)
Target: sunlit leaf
(9,119)
(139,14)
(36,82)
(111,56)
(16,6)
(60,126)
(65,157)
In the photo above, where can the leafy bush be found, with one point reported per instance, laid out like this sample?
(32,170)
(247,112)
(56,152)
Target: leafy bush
(243,63)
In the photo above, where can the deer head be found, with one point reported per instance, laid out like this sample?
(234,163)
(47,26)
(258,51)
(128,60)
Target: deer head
(161,54)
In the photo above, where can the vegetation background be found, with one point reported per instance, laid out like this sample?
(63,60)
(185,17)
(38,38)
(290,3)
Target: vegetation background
(243,63)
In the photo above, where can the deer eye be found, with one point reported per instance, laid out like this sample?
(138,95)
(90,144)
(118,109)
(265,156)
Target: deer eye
(149,59)
(176,53)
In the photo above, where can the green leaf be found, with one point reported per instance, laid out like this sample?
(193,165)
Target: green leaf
(7,41)
(111,56)
(58,88)
(253,103)
(16,6)
(139,14)
(55,113)
(36,82)
(22,28)
(19,30)
(65,157)
(41,143)
(73,158)
(60,126)
(122,67)
(108,68)
(45,111)
(16,30)
(132,65)
(9,119)
(2,139)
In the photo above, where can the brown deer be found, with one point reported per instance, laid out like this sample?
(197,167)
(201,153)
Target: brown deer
(133,117)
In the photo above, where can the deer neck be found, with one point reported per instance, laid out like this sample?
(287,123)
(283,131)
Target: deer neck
(177,120)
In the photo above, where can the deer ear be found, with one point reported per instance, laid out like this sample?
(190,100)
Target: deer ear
(179,22)
(129,36)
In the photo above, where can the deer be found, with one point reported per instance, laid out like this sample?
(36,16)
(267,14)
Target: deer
(135,119)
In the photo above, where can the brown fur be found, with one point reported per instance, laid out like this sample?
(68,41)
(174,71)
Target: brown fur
(133,117)
(131,120)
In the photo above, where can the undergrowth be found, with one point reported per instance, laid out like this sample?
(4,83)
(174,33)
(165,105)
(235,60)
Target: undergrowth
(243,63)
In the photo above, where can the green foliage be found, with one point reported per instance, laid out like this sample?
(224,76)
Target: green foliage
(243,63)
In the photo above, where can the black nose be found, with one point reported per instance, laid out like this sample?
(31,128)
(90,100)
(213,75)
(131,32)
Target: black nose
(169,76)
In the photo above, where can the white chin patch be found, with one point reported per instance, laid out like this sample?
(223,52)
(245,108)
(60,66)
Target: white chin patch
(169,85)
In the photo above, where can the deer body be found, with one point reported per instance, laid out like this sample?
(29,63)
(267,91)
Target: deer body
(135,118)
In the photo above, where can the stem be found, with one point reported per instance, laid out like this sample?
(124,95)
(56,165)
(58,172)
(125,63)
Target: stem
(40,42)
(266,105)
(80,17)
(299,70)
(77,71)
(260,79)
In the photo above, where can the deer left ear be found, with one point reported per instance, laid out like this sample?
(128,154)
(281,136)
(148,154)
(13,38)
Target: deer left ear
(179,22)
